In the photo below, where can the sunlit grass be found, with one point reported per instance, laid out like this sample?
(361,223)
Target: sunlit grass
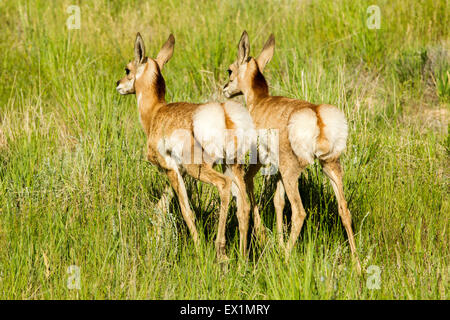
(75,188)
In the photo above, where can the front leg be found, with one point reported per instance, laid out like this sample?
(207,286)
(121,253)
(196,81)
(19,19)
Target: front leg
(177,183)
(176,180)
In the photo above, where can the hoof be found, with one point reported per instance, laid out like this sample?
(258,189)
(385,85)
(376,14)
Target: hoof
(357,265)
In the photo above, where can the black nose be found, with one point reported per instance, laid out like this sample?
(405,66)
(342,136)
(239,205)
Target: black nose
(117,83)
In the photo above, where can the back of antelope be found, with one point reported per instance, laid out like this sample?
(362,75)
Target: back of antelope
(176,129)
(307,131)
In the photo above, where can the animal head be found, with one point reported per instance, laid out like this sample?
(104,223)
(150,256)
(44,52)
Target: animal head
(244,72)
(143,70)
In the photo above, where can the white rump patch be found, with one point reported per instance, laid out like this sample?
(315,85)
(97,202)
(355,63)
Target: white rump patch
(209,129)
(244,131)
(239,115)
(218,142)
(303,132)
(335,130)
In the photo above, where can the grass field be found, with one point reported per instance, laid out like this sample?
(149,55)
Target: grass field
(77,198)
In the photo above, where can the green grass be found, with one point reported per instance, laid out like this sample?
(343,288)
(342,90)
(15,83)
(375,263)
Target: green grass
(75,188)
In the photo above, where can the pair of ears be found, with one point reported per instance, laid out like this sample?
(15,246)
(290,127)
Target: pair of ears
(264,57)
(163,56)
(166,51)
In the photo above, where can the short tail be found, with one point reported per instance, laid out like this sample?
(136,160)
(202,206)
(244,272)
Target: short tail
(240,122)
(320,133)
(225,131)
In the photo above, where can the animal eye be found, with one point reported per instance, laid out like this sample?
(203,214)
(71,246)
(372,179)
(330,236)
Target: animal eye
(229,72)
(127,70)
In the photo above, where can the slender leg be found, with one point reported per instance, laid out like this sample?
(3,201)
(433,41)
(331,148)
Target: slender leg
(290,175)
(334,171)
(279,203)
(243,210)
(180,189)
(249,176)
(206,173)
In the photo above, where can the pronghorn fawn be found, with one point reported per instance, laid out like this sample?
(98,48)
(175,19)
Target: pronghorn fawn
(176,131)
(306,132)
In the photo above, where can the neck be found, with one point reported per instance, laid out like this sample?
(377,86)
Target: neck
(150,94)
(257,90)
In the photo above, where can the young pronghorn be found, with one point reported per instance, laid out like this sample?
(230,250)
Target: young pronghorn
(179,130)
(306,131)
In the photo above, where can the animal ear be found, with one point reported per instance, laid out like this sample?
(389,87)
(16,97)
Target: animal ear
(166,52)
(139,49)
(266,53)
(243,48)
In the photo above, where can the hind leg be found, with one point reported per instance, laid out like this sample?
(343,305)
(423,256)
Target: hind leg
(290,169)
(206,173)
(334,171)
(238,190)
(249,183)
(279,202)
